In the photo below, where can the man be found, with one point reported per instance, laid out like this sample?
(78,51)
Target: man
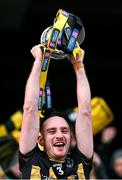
(57,161)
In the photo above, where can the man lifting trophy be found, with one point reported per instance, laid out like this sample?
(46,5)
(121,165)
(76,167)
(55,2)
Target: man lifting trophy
(42,126)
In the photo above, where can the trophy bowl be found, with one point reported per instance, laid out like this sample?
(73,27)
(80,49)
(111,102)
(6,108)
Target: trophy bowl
(61,51)
(57,54)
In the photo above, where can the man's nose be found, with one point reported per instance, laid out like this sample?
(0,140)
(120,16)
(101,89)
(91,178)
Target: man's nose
(59,134)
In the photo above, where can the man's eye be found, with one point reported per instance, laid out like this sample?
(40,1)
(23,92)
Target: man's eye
(65,131)
(51,131)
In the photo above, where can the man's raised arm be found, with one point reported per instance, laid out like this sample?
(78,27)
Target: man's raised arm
(84,136)
(30,122)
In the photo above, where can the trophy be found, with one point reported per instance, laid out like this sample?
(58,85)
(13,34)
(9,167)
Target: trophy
(65,35)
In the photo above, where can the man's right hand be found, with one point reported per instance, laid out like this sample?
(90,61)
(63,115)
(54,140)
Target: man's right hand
(37,51)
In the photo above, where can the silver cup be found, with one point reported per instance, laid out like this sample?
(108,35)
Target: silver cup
(57,54)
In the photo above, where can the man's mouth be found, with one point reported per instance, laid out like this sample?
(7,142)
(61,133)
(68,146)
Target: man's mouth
(59,144)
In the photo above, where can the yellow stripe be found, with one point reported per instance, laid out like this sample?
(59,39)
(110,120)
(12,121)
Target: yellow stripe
(80,172)
(3,131)
(52,174)
(35,173)
(2,174)
(72,177)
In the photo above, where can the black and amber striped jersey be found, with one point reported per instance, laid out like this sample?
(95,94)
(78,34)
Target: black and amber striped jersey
(37,165)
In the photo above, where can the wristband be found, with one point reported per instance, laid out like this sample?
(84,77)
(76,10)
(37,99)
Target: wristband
(77,65)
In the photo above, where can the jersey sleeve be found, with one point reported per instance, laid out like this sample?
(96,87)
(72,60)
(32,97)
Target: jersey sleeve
(86,160)
(25,158)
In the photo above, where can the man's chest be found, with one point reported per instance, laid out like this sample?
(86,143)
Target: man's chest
(56,170)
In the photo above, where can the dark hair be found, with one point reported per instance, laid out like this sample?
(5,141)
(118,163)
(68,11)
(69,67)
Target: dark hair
(51,113)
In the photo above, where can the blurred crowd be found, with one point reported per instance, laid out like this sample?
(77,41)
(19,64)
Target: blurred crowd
(107,159)
(9,145)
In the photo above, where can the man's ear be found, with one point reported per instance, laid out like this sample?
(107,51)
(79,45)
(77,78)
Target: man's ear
(41,140)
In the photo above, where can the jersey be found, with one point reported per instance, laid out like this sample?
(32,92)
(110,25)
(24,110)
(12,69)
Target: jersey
(37,165)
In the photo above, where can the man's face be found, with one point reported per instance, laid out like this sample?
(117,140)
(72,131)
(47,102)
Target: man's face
(57,137)
(118,166)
